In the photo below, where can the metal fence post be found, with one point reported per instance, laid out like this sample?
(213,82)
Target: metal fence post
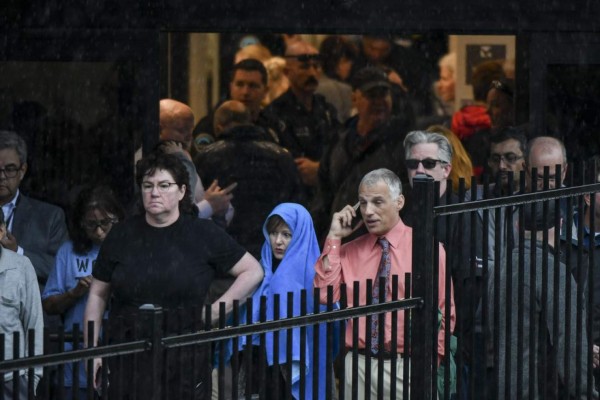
(422,335)
(151,321)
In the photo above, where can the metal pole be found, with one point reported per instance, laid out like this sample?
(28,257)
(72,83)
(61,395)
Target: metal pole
(151,319)
(424,331)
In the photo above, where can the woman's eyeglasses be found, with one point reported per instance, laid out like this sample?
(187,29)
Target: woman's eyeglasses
(162,187)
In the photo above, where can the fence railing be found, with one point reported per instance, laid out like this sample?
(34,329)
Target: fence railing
(496,314)
(151,345)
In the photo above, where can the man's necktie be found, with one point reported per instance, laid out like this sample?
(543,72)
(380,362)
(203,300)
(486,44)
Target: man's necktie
(384,271)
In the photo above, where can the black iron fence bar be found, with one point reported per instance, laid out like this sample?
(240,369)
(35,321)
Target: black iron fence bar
(47,360)
(293,322)
(421,381)
(515,200)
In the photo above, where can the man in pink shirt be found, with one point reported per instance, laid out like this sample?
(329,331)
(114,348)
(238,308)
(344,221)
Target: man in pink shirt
(380,197)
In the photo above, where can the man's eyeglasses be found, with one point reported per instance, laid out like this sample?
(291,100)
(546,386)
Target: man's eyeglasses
(10,171)
(428,163)
(307,60)
(162,187)
(105,224)
(509,158)
(306,57)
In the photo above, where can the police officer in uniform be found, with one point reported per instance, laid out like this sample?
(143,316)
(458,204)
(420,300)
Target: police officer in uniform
(310,122)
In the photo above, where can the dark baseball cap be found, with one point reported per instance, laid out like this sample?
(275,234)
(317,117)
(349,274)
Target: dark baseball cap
(370,78)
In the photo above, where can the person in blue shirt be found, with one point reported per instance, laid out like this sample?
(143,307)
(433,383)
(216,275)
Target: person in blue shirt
(94,213)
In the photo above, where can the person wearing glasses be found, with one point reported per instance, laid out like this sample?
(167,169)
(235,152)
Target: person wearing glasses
(33,228)
(165,256)
(384,251)
(507,154)
(430,153)
(310,122)
(94,213)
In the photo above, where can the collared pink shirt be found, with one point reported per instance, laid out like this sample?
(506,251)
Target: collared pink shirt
(359,260)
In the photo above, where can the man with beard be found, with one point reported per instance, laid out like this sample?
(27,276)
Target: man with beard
(507,154)
(371,140)
(309,120)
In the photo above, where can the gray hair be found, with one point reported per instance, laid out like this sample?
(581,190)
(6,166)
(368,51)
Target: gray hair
(383,174)
(418,137)
(11,140)
(448,61)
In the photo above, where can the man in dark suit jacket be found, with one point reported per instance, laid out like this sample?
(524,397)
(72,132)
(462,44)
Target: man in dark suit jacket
(35,229)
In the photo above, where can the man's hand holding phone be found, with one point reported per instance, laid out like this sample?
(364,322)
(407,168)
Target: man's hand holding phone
(344,222)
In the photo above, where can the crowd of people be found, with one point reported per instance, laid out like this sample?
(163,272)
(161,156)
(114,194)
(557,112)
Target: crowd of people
(261,197)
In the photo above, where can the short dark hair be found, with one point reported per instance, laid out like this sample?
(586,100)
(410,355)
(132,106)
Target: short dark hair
(483,76)
(170,163)
(509,133)
(504,85)
(274,222)
(332,50)
(100,198)
(250,64)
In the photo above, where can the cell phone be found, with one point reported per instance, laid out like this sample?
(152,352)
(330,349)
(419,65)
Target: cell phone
(231,186)
(358,217)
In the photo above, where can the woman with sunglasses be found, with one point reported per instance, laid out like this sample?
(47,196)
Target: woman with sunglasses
(94,213)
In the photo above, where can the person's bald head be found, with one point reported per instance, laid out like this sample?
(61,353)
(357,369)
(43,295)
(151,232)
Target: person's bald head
(176,122)
(546,151)
(229,114)
(300,47)
(303,67)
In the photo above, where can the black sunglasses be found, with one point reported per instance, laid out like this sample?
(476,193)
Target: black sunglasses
(306,57)
(428,163)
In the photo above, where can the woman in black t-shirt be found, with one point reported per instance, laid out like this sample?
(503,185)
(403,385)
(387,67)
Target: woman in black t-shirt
(167,257)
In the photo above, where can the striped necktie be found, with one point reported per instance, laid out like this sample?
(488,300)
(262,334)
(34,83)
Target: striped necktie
(383,271)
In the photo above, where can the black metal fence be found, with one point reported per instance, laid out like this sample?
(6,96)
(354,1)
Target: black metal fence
(525,324)
(148,353)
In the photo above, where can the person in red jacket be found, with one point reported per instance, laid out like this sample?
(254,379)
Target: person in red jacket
(474,117)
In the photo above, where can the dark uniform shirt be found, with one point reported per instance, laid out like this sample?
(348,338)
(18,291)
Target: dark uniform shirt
(305,132)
